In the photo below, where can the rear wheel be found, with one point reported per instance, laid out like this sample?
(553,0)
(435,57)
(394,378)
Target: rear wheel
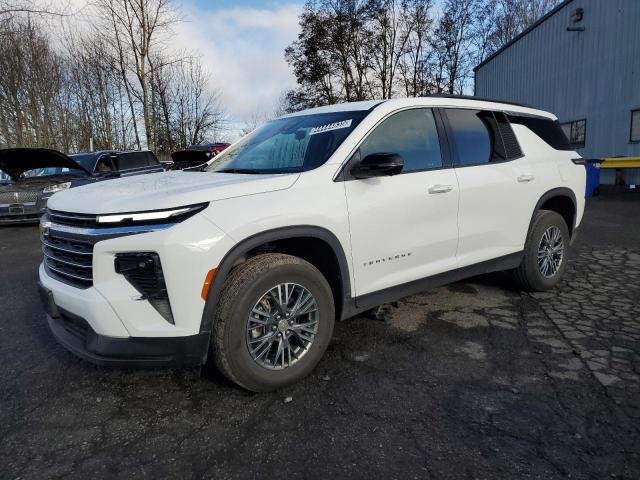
(545,252)
(273,322)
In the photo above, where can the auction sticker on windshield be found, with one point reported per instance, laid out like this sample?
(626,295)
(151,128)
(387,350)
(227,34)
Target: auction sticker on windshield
(330,126)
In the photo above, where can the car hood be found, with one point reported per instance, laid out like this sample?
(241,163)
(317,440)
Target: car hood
(156,191)
(15,161)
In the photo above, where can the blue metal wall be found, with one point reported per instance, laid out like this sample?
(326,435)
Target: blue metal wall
(592,74)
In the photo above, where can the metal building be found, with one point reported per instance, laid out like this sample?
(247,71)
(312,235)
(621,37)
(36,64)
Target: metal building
(581,61)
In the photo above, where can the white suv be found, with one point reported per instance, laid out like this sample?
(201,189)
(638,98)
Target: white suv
(313,217)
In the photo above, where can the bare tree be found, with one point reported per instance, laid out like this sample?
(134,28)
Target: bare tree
(139,24)
(82,93)
(452,46)
(391,28)
(513,16)
(415,66)
(14,8)
(197,107)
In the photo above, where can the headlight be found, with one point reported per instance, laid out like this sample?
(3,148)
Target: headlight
(172,215)
(56,188)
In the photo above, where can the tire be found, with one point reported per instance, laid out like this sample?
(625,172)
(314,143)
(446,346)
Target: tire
(529,274)
(250,283)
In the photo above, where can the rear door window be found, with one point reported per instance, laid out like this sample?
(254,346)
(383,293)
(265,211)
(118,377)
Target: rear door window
(471,136)
(412,134)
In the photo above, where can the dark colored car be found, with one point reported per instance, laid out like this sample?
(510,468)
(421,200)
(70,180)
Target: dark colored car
(113,163)
(195,157)
(32,175)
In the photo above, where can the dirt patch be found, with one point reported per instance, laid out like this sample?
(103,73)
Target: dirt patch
(465,319)
(462,296)
(473,350)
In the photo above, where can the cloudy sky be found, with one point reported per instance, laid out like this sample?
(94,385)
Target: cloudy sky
(241,43)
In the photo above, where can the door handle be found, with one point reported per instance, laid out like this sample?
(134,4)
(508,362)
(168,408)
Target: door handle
(524,178)
(440,188)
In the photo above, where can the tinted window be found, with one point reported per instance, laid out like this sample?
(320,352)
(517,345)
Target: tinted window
(412,134)
(87,160)
(471,136)
(129,160)
(104,165)
(548,130)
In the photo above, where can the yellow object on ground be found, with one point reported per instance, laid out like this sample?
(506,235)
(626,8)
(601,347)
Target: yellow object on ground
(621,162)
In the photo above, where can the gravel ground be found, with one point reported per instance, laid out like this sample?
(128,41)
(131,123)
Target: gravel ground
(474,380)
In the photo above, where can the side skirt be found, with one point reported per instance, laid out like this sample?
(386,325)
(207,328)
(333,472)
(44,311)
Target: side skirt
(371,300)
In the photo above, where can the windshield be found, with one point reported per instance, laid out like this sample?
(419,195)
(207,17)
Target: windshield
(49,171)
(293,144)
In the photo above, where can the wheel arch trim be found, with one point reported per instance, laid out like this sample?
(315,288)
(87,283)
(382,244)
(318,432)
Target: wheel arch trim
(253,241)
(553,193)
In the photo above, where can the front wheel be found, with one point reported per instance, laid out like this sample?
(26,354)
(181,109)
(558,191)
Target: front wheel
(545,252)
(273,322)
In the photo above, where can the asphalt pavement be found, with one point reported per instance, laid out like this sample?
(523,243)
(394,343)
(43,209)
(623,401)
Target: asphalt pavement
(474,380)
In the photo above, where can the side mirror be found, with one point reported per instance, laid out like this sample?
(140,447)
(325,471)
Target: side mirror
(378,165)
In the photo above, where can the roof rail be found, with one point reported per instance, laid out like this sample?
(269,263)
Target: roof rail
(480,99)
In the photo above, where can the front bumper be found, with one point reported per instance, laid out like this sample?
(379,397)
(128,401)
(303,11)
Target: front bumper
(20,213)
(24,212)
(76,335)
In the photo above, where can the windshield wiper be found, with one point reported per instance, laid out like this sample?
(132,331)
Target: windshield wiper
(239,170)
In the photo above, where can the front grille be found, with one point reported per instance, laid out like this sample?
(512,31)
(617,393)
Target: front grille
(68,240)
(19,197)
(72,219)
(68,258)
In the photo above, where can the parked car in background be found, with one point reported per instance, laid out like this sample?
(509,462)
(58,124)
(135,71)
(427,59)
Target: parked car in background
(212,149)
(196,157)
(34,174)
(118,163)
(312,218)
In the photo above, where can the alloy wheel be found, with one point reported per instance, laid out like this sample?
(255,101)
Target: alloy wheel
(550,252)
(282,326)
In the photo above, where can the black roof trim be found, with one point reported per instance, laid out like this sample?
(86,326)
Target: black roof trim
(480,99)
(376,106)
(549,14)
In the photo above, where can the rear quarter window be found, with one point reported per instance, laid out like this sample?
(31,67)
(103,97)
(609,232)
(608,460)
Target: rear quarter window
(130,160)
(548,130)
